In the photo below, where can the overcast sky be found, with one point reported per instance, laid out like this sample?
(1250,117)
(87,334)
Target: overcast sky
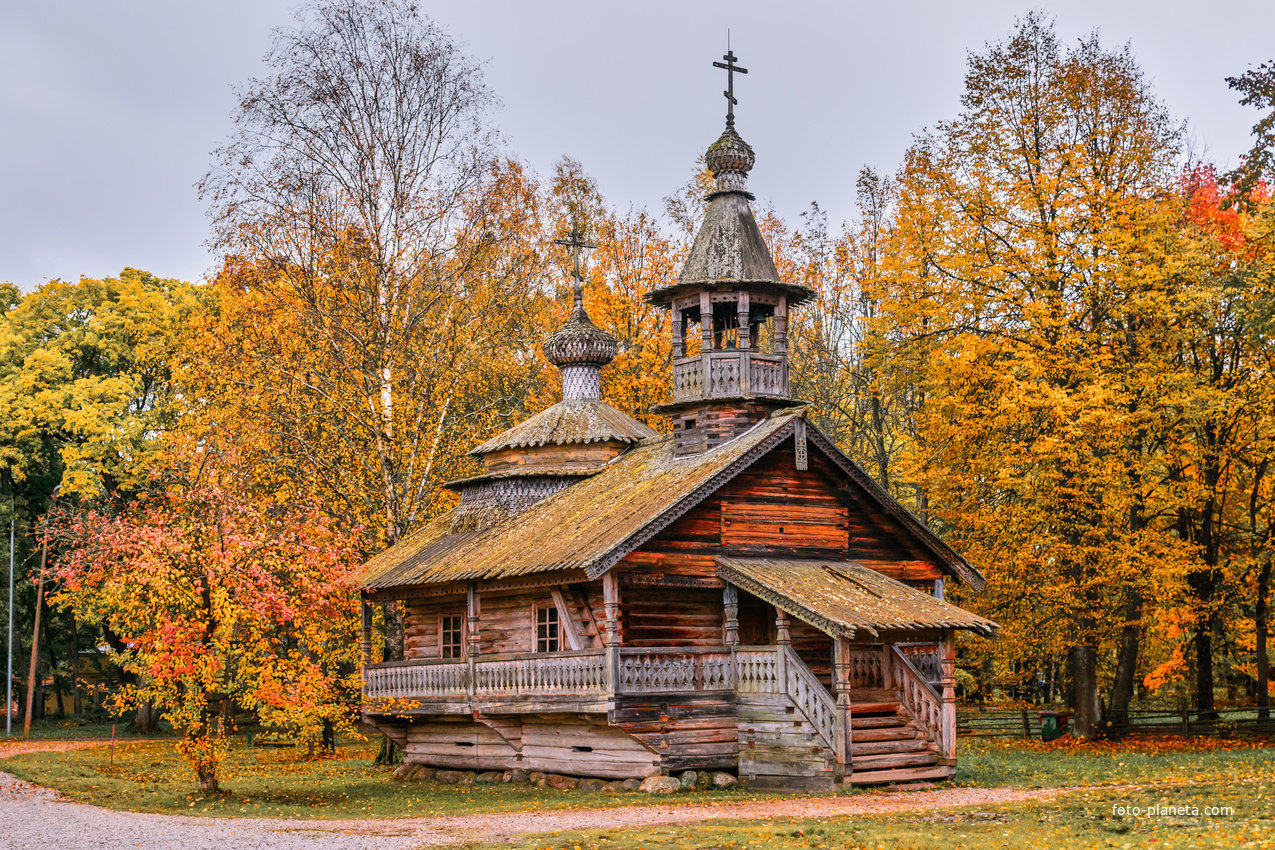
(109,108)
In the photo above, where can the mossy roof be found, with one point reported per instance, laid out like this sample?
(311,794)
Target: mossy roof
(843,598)
(591,525)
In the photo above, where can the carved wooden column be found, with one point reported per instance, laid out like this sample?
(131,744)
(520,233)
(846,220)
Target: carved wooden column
(474,634)
(745,358)
(947,713)
(841,690)
(730,623)
(782,639)
(679,333)
(781,341)
(611,604)
(706,343)
(365,638)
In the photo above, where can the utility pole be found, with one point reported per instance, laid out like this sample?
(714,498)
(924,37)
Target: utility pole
(8,700)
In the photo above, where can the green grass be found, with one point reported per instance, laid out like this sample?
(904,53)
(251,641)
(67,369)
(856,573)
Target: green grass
(279,782)
(76,728)
(1067,763)
(1075,821)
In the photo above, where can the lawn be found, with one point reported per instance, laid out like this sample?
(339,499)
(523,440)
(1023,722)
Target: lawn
(1069,762)
(280,782)
(1071,822)
(64,728)
(1182,776)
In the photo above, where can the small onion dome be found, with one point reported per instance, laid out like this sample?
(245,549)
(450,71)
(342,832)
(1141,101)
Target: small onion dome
(730,158)
(579,342)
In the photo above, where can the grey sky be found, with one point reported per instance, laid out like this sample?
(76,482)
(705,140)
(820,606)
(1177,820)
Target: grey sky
(109,108)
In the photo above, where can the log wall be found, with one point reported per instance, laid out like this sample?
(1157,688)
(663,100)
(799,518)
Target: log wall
(687,731)
(665,616)
(505,618)
(778,748)
(566,744)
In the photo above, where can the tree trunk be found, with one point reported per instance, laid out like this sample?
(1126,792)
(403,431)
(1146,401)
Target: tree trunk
(144,718)
(1084,665)
(329,736)
(388,754)
(1260,627)
(1127,659)
(208,781)
(75,668)
(1204,670)
(33,681)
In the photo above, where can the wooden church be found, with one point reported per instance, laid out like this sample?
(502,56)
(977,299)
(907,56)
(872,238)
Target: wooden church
(738,595)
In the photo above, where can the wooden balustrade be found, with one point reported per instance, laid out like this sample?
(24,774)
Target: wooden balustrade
(647,671)
(757,670)
(767,376)
(917,697)
(865,671)
(561,673)
(409,679)
(720,374)
(810,697)
(688,379)
(927,660)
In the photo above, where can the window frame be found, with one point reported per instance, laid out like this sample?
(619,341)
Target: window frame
(552,618)
(464,635)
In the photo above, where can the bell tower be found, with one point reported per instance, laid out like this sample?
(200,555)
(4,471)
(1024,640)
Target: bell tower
(730,308)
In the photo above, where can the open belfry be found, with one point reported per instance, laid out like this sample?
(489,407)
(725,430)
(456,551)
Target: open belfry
(738,595)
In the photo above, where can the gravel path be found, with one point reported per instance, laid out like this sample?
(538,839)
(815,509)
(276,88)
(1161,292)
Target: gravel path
(31,817)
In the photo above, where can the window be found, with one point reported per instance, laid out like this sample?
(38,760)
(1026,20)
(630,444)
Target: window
(451,636)
(547,629)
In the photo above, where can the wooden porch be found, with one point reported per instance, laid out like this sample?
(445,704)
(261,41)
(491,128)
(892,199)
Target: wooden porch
(887,713)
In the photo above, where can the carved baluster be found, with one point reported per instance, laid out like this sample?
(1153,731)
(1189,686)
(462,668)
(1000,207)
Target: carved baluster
(947,720)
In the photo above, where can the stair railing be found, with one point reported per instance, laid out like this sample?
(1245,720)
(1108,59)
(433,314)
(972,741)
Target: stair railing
(810,696)
(916,696)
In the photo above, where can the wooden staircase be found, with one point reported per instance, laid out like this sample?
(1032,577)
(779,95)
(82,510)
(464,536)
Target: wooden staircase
(886,745)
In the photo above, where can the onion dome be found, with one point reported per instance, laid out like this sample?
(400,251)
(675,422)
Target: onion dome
(580,349)
(579,342)
(730,158)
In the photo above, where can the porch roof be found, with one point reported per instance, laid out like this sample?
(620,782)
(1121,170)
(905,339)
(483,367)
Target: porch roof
(843,597)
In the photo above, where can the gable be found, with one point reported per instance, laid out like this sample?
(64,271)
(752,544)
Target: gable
(775,509)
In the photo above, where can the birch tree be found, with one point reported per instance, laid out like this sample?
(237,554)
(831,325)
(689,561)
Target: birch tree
(351,205)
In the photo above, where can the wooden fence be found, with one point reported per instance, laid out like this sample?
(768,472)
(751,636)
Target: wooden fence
(1026,723)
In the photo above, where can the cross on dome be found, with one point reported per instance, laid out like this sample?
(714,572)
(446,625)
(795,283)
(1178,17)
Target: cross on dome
(575,241)
(730,67)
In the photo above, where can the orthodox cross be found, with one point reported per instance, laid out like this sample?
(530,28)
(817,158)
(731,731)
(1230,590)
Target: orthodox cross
(731,68)
(575,241)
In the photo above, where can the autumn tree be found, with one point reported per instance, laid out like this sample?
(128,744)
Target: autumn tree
(1218,446)
(1011,277)
(353,205)
(87,388)
(1257,85)
(220,601)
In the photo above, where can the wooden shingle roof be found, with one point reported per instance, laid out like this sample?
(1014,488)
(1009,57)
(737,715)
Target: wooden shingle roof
(591,525)
(567,422)
(588,526)
(842,598)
